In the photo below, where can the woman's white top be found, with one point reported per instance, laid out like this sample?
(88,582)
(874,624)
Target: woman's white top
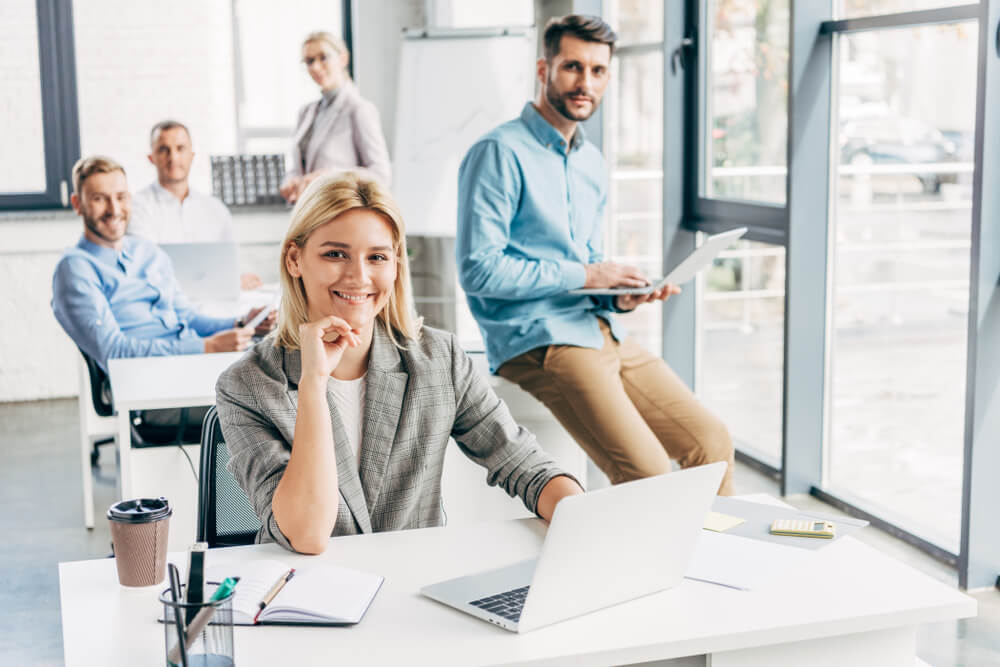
(350,402)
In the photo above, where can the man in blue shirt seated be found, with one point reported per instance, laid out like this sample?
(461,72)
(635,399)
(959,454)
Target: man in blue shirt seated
(116,295)
(532,194)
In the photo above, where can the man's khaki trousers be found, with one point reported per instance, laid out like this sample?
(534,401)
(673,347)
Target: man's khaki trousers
(625,407)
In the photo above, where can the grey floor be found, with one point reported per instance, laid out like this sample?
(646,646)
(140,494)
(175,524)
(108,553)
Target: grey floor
(43,524)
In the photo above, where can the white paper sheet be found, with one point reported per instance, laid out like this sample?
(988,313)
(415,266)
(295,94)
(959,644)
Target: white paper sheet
(743,563)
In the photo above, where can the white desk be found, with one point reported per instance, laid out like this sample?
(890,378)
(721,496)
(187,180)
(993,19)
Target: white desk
(151,383)
(857,607)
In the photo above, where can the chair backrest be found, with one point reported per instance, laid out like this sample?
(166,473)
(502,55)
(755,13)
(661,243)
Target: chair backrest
(225,516)
(100,387)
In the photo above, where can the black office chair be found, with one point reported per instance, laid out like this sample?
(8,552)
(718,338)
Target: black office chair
(143,433)
(100,397)
(225,516)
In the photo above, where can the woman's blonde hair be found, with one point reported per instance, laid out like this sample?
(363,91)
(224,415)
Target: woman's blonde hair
(323,201)
(336,43)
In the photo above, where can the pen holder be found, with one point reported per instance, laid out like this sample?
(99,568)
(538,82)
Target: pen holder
(209,634)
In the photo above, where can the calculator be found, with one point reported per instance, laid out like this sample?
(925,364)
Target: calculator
(803,528)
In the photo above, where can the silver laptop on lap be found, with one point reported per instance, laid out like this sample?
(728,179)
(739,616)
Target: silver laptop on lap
(699,258)
(602,548)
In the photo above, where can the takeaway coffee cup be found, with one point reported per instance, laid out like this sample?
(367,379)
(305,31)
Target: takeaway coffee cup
(139,539)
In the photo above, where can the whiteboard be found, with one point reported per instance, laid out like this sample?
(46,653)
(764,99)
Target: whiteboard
(453,89)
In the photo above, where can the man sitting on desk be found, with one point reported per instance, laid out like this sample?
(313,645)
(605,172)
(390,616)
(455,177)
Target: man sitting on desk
(169,210)
(531,200)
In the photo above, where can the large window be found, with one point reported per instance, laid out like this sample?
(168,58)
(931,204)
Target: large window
(859,8)
(741,164)
(21,80)
(745,100)
(875,223)
(742,319)
(634,145)
(271,82)
(40,139)
(900,272)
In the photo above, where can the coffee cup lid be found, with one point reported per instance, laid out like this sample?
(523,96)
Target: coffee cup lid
(140,510)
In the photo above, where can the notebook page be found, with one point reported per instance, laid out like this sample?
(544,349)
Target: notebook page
(256,579)
(325,593)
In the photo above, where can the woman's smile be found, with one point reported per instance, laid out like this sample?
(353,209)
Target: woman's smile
(353,297)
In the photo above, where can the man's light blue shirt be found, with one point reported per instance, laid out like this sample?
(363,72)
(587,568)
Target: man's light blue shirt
(127,304)
(530,213)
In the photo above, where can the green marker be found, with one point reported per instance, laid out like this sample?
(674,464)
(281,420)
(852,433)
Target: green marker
(225,588)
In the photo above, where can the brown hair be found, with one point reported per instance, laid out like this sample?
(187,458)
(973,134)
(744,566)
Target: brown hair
(324,200)
(165,125)
(581,26)
(88,166)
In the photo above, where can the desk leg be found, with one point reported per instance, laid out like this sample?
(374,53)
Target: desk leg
(878,648)
(85,447)
(124,453)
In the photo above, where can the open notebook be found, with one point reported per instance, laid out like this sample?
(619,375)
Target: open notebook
(318,594)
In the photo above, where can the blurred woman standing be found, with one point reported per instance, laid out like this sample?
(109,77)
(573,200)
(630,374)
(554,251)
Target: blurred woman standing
(340,131)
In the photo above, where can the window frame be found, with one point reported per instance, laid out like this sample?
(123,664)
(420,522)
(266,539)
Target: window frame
(765,222)
(60,119)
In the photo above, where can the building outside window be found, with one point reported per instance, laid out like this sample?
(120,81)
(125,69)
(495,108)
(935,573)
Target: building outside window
(902,199)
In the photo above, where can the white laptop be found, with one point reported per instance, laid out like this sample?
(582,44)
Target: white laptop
(602,548)
(206,271)
(701,257)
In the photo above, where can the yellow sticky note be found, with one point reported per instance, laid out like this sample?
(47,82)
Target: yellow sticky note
(721,522)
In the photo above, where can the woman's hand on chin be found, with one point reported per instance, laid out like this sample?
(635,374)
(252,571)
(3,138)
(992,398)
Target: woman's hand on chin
(322,344)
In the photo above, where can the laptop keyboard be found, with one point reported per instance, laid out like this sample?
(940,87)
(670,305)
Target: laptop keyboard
(507,604)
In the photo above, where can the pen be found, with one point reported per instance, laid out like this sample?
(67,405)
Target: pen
(278,585)
(175,594)
(201,619)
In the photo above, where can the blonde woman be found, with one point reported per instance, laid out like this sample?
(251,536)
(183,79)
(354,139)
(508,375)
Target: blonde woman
(338,132)
(337,423)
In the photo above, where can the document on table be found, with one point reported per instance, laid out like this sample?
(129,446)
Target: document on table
(743,563)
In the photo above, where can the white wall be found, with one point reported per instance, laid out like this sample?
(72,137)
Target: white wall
(138,63)
(378,27)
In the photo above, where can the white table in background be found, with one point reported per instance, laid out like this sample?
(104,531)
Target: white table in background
(853,606)
(153,383)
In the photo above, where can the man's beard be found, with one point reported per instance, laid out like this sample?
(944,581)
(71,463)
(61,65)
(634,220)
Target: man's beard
(558,103)
(91,224)
(170,180)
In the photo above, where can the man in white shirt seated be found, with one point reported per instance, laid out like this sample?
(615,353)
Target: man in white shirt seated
(169,210)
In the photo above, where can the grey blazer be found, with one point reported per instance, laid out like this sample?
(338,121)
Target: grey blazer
(348,137)
(416,398)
